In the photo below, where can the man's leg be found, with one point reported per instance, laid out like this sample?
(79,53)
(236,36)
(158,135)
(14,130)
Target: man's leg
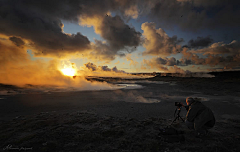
(209,124)
(204,130)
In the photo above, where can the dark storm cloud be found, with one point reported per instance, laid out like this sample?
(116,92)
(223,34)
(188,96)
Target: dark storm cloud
(200,42)
(197,15)
(207,3)
(65,9)
(17,41)
(40,23)
(119,38)
(118,34)
(43,30)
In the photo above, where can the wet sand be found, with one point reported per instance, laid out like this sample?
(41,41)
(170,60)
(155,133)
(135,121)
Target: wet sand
(120,120)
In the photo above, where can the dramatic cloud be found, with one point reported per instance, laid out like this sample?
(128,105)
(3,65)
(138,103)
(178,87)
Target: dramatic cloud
(38,26)
(11,54)
(207,3)
(166,61)
(119,36)
(198,14)
(17,41)
(218,54)
(200,42)
(162,65)
(39,22)
(219,48)
(68,9)
(169,62)
(91,66)
(132,62)
(102,51)
(132,11)
(157,42)
(176,69)
(18,69)
(94,68)
(43,31)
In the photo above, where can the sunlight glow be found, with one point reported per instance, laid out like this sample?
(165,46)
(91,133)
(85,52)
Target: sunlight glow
(68,71)
(68,68)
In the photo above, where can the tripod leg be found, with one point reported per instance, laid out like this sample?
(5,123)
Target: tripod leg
(178,116)
(181,118)
(174,120)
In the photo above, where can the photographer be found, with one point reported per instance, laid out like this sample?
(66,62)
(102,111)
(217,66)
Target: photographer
(199,117)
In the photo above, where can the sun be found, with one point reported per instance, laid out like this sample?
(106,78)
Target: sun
(68,68)
(68,71)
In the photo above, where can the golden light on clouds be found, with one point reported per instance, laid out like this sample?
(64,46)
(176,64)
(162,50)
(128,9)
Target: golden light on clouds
(132,11)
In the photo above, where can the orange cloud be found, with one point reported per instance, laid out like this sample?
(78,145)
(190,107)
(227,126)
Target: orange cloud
(219,48)
(132,11)
(157,42)
(154,64)
(132,62)
(18,69)
(218,54)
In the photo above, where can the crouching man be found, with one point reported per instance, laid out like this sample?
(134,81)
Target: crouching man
(199,117)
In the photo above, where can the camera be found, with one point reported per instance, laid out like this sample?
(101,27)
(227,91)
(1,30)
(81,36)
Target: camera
(178,104)
(177,116)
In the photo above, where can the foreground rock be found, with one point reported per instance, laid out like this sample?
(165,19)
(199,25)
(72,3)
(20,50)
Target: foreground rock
(87,131)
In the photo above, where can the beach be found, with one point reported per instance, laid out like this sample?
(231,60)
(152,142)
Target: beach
(125,119)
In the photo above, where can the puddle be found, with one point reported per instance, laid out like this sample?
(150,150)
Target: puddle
(129,86)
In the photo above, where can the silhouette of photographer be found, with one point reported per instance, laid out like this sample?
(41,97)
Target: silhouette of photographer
(199,117)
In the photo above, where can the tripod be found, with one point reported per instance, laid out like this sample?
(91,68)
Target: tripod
(178,110)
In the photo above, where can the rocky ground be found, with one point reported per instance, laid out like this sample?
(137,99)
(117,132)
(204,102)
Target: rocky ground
(120,120)
(86,131)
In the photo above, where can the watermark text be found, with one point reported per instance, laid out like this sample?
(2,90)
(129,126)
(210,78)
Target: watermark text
(10,147)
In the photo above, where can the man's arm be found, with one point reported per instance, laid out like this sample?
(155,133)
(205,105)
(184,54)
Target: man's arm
(186,107)
(191,114)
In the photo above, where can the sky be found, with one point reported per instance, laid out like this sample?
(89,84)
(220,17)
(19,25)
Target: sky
(91,37)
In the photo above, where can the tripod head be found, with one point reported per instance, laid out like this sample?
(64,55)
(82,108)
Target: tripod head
(177,110)
(178,104)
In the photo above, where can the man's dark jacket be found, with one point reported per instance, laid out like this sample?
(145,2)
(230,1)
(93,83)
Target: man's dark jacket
(199,114)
